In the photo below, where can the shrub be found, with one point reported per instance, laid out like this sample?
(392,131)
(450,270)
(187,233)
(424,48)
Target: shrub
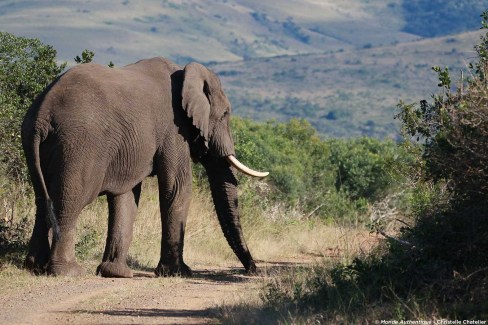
(367,167)
(331,179)
(86,57)
(293,154)
(27,66)
(437,267)
(13,235)
(454,130)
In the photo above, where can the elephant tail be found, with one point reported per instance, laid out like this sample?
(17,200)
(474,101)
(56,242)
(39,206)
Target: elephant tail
(34,162)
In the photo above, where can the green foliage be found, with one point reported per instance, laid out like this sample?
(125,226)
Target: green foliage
(26,67)
(328,178)
(435,268)
(86,57)
(454,131)
(444,77)
(366,166)
(89,242)
(292,152)
(13,235)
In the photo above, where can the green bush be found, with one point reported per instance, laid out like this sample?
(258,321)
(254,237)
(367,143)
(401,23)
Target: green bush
(333,179)
(366,166)
(435,268)
(454,130)
(27,66)
(86,57)
(290,152)
(13,235)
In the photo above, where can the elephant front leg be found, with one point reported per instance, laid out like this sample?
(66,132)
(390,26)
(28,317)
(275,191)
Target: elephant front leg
(122,214)
(175,203)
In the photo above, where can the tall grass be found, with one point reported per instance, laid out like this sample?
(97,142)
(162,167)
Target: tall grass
(16,220)
(273,232)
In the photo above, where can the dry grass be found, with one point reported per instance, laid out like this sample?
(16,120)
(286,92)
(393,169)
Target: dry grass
(274,234)
(280,239)
(271,236)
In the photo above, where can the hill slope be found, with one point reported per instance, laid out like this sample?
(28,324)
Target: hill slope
(441,17)
(343,65)
(347,93)
(205,30)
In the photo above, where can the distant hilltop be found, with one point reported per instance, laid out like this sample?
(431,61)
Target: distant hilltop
(123,31)
(342,65)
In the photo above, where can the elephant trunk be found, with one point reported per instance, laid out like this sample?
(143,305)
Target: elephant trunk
(223,186)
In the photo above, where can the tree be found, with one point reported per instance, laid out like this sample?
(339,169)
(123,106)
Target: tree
(86,57)
(453,129)
(27,66)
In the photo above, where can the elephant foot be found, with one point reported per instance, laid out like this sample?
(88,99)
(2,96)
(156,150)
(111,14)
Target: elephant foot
(166,270)
(114,270)
(252,269)
(35,264)
(71,269)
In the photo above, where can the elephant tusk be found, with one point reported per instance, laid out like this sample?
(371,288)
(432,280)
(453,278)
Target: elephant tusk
(243,168)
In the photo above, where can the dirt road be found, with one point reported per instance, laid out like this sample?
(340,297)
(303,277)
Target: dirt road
(144,299)
(140,300)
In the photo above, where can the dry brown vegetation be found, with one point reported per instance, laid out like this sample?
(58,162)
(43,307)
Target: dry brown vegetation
(279,238)
(273,234)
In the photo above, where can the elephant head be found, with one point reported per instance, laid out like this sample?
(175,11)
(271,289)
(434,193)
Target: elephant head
(209,110)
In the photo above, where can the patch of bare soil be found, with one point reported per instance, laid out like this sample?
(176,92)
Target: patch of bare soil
(140,300)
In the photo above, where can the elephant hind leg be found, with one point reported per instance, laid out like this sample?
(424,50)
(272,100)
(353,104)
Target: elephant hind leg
(63,260)
(122,214)
(38,256)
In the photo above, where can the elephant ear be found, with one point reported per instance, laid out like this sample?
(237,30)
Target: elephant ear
(196,103)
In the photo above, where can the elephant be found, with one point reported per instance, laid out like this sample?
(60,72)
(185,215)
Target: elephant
(97,130)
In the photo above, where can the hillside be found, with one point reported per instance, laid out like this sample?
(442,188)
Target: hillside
(431,18)
(346,93)
(203,30)
(343,65)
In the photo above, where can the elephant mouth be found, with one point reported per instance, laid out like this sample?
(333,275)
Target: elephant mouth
(243,168)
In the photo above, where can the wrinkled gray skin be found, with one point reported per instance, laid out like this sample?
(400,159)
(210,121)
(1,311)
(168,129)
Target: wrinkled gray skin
(100,131)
